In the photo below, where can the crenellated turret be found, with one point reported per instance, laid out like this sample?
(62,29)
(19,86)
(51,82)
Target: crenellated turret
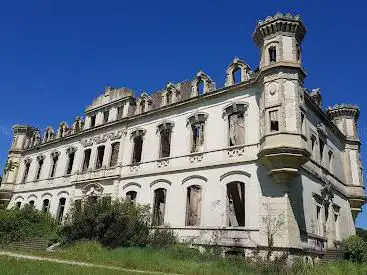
(283,142)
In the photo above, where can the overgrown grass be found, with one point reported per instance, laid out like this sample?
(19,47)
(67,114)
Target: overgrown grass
(12,266)
(180,259)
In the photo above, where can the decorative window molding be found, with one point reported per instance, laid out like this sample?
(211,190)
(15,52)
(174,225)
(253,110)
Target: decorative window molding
(63,130)
(49,134)
(137,132)
(236,65)
(170,94)
(143,103)
(209,85)
(102,138)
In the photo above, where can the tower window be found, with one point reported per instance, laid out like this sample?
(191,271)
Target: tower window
(100,155)
(272,54)
(86,161)
(138,147)
(274,121)
(93,121)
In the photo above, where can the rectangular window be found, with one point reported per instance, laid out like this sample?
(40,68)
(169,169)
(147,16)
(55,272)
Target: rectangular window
(54,165)
(100,155)
(86,161)
(138,146)
(40,164)
(115,147)
(105,116)
(274,121)
(46,205)
(60,212)
(303,124)
(165,143)
(193,205)
(70,163)
(159,206)
(331,161)
(322,146)
(120,110)
(93,121)
(236,203)
(236,124)
(197,137)
(313,143)
(26,171)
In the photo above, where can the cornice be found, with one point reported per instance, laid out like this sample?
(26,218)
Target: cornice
(347,110)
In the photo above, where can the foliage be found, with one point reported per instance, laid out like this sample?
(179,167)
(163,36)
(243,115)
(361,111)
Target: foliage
(355,249)
(162,237)
(362,233)
(26,223)
(115,224)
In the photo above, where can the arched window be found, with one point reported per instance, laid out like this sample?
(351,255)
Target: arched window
(168,97)
(131,196)
(142,106)
(40,165)
(54,159)
(193,205)
(61,209)
(18,204)
(236,203)
(159,206)
(115,147)
(237,75)
(46,205)
(272,54)
(200,87)
(31,203)
(165,131)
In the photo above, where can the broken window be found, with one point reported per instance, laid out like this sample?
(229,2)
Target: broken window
(138,146)
(40,164)
(86,161)
(197,137)
(200,86)
(159,206)
(165,143)
(142,106)
(105,116)
(272,54)
(100,155)
(93,121)
(131,196)
(236,129)
(274,121)
(18,205)
(71,157)
(55,159)
(115,147)
(236,204)
(46,205)
(193,205)
(31,204)
(322,146)
(26,171)
(61,209)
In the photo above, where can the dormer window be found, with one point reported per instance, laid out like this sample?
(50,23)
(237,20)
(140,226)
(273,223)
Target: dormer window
(142,106)
(169,97)
(272,54)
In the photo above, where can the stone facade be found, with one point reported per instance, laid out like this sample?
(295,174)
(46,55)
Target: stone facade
(219,165)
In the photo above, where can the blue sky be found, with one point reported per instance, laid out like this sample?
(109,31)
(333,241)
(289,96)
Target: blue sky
(56,56)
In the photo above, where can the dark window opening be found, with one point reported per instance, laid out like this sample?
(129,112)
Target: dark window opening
(236,203)
(322,146)
(142,106)
(54,165)
(106,116)
(159,206)
(303,128)
(168,97)
(272,54)
(131,196)
(236,123)
(93,121)
(274,121)
(46,205)
(237,76)
(31,203)
(197,137)
(120,110)
(115,147)
(18,205)
(331,159)
(70,163)
(138,146)
(60,212)
(100,155)
(298,54)
(40,164)
(86,161)
(26,171)
(313,143)
(165,143)
(193,205)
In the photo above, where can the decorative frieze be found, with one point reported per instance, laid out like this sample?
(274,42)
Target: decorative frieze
(102,138)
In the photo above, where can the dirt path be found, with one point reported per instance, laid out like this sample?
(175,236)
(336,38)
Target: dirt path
(69,262)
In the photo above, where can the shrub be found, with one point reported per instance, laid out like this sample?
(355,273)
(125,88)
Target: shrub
(119,223)
(355,249)
(24,224)
(162,237)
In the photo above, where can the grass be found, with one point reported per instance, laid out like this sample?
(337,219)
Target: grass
(180,259)
(13,266)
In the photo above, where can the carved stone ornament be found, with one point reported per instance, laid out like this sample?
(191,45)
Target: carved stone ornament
(327,194)
(92,190)
(102,138)
(273,88)
(321,129)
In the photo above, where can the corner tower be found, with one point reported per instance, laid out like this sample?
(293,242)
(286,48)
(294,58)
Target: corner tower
(283,145)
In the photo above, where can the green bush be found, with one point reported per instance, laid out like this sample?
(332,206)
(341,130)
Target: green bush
(115,224)
(24,224)
(162,237)
(355,249)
